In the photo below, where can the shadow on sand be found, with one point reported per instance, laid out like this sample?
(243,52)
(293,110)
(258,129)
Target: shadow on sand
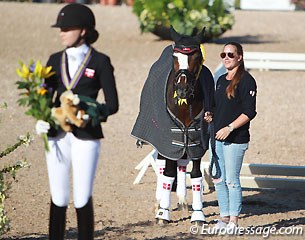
(263,202)
(247,39)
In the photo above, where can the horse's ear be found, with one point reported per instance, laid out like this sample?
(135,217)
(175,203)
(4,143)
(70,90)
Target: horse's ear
(200,36)
(174,35)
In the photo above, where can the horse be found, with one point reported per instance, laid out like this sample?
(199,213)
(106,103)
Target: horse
(174,123)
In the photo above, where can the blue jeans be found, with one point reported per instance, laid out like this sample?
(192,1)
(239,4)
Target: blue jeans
(228,189)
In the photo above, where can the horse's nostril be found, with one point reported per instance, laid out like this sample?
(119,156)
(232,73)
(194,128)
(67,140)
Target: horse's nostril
(183,78)
(182,93)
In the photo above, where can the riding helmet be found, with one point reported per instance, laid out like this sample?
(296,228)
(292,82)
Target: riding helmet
(75,15)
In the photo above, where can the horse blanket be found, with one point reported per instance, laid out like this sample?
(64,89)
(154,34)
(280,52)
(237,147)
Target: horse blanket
(157,126)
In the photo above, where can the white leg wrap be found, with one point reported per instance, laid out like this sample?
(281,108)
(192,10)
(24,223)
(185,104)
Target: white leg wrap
(197,193)
(181,178)
(160,166)
(197,216)
(163,214)
(167,183)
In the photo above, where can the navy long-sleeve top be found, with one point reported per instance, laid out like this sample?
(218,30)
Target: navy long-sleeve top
(227,110)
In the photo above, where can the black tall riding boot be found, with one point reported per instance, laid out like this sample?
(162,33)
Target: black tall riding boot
(85,221)
(57,223)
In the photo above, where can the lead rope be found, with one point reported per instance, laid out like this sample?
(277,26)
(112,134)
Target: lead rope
(214,159)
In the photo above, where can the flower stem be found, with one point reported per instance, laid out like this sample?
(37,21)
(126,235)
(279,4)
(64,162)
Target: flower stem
(46,143)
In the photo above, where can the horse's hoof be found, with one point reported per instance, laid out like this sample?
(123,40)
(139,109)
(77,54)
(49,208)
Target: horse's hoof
(156,208)
(197,223)
(161,222)
(182,207)
(162,217)
(198,217)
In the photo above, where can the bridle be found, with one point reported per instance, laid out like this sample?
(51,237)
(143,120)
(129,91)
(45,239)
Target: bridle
(186,95)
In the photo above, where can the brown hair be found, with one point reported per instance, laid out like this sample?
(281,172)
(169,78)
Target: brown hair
(239,73)
(91,36)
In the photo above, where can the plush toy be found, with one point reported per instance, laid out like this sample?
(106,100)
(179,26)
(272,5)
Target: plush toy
(96,111)
(68,113)
(79,110)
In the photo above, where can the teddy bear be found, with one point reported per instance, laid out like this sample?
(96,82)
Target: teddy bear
(69,113)
(79,110)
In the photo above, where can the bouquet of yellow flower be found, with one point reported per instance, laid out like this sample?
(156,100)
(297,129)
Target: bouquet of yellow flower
(36,96)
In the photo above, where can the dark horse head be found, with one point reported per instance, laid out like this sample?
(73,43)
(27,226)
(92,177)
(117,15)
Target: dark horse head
(183,85)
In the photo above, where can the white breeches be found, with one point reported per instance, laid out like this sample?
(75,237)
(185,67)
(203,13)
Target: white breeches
(65,151)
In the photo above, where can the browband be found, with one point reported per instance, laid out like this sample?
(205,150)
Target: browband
(186,49)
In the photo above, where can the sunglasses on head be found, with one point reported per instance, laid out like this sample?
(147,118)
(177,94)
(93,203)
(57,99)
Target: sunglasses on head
(230,55)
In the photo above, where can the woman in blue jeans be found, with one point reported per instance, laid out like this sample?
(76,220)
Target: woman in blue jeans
(235,107)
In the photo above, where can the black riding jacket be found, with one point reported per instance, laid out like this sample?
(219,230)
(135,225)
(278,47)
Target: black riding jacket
(103,78)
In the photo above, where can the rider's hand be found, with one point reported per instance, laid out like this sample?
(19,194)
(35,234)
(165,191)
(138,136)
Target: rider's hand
(42,127)
(85,117)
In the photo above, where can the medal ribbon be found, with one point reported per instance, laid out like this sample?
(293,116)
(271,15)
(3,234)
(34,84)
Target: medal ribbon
(70,84)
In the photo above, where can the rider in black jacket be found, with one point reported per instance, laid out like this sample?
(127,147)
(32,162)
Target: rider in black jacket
(84,71)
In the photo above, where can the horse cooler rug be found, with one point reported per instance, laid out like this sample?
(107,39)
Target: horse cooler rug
(157,126)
